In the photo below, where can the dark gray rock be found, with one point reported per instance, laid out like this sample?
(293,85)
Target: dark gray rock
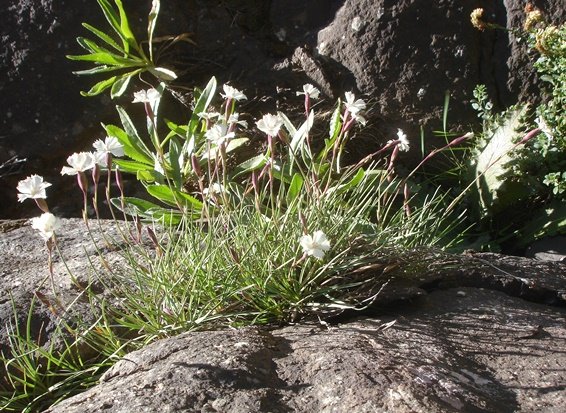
(402,56)
(548,249)
(456,350)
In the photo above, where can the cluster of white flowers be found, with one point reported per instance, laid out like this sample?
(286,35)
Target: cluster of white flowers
(83,161)
(147,96)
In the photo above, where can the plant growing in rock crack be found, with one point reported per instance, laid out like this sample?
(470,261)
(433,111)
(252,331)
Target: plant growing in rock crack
(532,174)
(288,233)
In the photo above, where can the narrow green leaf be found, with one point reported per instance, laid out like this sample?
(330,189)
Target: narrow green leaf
(132,166)
(104,37)
(252,164)
(114,21)
(133,133)
(134,205)
(121,84)
(151,21)
(107,59)
(133,146)
(294,188)
(235,143)
(287,123)
(174,161)
(173,197)
(162,73)
(100,87)
(202,104)
(125,30)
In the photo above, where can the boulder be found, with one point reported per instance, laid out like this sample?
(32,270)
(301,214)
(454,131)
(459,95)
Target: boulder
(469,332)
(465,349)
(402,56)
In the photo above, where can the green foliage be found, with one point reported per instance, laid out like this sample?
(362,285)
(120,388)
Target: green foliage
(36,375)
(519,161)
(124,58)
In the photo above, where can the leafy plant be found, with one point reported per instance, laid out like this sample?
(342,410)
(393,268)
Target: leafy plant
(123,58)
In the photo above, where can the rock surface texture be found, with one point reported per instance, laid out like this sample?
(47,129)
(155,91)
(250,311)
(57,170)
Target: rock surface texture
(467,350)
(473,333)
(402,56)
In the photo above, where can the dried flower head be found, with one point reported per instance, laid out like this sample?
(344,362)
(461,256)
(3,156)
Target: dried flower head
(533,18)
(476,19)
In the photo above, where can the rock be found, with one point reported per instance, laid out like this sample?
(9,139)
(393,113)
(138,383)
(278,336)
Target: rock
(482,352)
(446,333)
(401,56)
(24,274)
(548,249)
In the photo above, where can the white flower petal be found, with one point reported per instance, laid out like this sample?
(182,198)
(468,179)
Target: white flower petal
(46,224)
(33,187)
(269,124)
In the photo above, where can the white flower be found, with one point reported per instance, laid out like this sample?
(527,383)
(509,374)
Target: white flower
(208,115)
(359,118)
(79,162)
(100,158)
(310,91)
(109,145)
(270,124)
(219,134)
(403,141)
(32,187)
(215,188)
(46,224)
(232,93)
(315,245)
(354,106)
(235,118)
(543,126)
(146,96)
